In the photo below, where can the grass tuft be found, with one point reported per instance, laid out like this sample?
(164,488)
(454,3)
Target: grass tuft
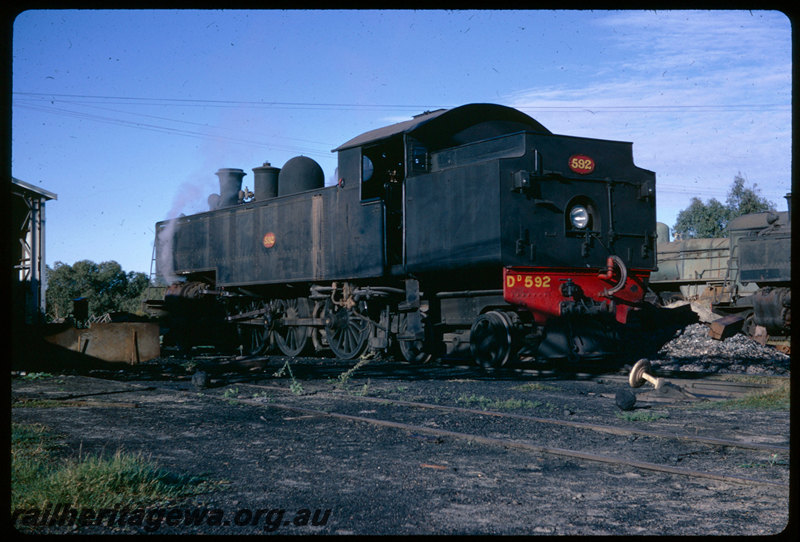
(40,478)
(775,398)
(642,416)
(485,403)
(535,386)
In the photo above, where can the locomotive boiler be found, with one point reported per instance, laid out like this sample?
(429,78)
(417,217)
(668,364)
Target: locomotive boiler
(469,230)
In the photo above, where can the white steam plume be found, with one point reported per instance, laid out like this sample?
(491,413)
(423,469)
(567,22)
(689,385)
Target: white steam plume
(188,194)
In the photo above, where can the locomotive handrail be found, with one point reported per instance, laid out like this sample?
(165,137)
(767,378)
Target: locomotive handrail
(608,275)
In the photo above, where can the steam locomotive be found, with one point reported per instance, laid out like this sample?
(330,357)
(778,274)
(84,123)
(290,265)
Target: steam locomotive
(472,230)
(747,273)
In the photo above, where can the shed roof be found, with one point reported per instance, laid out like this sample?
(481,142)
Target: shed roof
(45,194)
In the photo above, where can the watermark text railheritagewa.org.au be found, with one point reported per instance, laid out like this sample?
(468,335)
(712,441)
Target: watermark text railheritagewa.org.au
(152,519)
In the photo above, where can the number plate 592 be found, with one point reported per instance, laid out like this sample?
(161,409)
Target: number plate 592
(582,164)
(528,281)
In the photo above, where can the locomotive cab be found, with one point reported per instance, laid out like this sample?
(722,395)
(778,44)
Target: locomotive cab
(382,175)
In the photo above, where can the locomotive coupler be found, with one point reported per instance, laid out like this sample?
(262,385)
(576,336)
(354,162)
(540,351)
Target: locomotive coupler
(579,303)
(585,307)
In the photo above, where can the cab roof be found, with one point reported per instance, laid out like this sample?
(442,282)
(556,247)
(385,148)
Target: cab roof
(459,125)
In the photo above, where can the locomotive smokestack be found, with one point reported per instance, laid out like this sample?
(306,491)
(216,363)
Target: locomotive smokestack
(230,182)
(265,181)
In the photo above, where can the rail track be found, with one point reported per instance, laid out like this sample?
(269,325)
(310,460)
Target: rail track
(627,447)
(527,444)
(600,428)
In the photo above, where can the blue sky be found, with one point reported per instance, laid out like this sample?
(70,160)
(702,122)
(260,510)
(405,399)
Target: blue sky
(126,115)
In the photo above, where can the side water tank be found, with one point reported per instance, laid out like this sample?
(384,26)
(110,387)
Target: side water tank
(300,174)
(230,182)
(265,181)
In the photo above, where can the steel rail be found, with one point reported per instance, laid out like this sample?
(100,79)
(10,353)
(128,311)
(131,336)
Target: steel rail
(507,443)
(77,395)
(622,431)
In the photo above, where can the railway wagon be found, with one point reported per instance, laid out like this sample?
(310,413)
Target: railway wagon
(471,230)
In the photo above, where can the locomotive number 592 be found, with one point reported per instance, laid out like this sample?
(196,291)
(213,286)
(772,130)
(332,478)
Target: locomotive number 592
(581,164)
(528,281)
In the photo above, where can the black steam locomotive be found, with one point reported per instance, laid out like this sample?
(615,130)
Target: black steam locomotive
(763,252)
(747,273)
(468,230)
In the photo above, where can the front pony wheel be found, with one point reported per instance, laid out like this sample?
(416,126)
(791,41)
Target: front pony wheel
(491,339)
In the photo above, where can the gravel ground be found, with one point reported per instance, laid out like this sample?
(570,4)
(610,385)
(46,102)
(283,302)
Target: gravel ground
(379,480)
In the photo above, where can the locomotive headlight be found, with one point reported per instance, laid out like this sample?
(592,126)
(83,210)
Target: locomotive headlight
(579,217)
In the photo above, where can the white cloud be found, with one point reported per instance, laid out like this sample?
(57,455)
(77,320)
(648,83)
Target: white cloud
(702,96)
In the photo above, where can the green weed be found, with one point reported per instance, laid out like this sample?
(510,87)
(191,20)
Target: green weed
(775,398)
(39,477)
(770,462)
(535,386)
(642,416)
(231,393)
(36,376)
(485,403)
(295,387)
(342,382)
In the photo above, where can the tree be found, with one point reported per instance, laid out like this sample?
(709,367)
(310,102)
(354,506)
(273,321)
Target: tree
(106,287)
(744,201)
(703,220)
